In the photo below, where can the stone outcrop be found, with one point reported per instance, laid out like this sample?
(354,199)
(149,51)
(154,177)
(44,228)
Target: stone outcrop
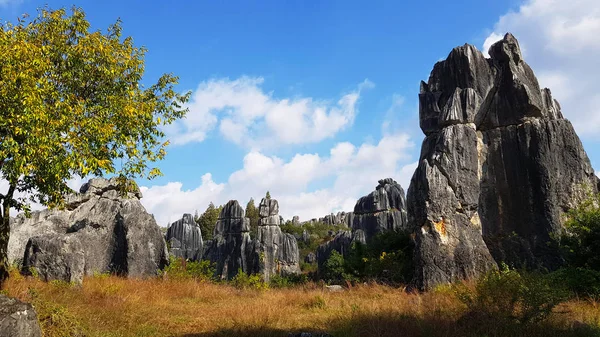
(232,248)
(18,319)
(184,238)
(103,229)
(498,168)
(382,210)
(278,252)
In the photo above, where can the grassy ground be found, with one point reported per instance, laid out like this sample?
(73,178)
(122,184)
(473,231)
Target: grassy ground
(113,306)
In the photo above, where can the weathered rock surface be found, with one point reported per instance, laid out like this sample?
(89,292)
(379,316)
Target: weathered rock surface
(231,248)
(56,257)
(184,238)
(278,252)
(18,319)
(382,210)
(498,168)
(114,232)
(378,212)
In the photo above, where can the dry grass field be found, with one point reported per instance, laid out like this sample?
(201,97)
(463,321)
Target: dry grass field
(112,306)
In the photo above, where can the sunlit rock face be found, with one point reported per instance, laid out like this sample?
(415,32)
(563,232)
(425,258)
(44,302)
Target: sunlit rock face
(184,239)
(102,229)
(499,166)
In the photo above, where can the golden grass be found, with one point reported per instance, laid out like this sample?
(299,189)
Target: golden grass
(113,306)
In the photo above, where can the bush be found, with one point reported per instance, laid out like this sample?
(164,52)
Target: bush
(287,280)
(579,281)
(245,281)
(580,242)
(507,295)
(334,267)
(179,268)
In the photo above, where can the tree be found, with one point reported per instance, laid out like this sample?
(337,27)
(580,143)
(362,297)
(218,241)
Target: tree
(252,214)
(72,103)
(268,196)
(208,220)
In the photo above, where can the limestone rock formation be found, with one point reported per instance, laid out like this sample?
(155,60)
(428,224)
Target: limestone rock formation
(382,210)
(498,168)
(184,238)
(112,231)
(18,319)
(278,252)
(231,247)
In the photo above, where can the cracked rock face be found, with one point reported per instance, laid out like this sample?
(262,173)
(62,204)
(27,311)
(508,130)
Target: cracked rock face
(185,238)
(231,247)
(277,251)
(498,168)
(100,230)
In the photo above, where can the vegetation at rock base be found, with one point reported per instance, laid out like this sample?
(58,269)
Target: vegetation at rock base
(207,221)
(113,306)
(73,104)
(386,259)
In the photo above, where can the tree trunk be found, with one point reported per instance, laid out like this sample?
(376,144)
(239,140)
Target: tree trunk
(4,235)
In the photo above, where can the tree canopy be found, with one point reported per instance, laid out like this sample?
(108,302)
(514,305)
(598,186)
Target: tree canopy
(73,103)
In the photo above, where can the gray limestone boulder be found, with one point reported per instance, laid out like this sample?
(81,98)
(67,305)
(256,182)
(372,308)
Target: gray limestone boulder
(340,243)
(18,319)
(112,227)
(498,168)
(184,238)
(55,257)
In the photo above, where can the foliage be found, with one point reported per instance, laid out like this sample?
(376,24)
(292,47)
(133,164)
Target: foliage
(387,258)
(268,195)
(287,281)
(208,220)
(579,281)
(580,243)
(252,214)
(179,268)
(318,233)
(245,281)
(507,295)
(73,104)
(334,268)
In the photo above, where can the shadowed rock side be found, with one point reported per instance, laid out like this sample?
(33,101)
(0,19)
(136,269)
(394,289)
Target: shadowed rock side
(18,319)
(498,168)
(278,252)
(184,238)
(382,210)
(231,247)
(100,230)
(378,212)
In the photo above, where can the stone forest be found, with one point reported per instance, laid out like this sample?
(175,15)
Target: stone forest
(499,173)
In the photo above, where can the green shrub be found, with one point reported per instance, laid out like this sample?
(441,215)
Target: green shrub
(287,280)
(245,281)
(579,281)
(580,242)
(334,267)
(510,296)
(179,268)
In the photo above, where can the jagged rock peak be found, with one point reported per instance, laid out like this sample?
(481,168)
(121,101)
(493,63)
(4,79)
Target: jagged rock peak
(232,210)
(268,207)
(185,238)
(99,186)
(387,195)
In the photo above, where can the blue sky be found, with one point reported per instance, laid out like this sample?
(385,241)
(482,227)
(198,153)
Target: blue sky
(317,100)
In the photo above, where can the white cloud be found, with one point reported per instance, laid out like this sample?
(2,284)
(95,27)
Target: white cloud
(561,42)
(348,173)
(247,115)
